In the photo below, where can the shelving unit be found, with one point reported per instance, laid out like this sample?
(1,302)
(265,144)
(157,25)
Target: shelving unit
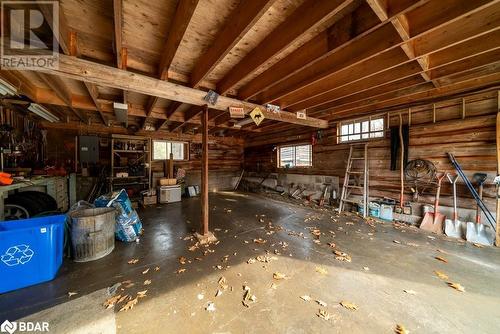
(131,155)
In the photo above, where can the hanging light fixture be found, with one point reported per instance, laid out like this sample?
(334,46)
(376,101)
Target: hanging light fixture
(43,112)
(6,89)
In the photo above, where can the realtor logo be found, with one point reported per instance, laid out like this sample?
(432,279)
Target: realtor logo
(8,327)
(29,35)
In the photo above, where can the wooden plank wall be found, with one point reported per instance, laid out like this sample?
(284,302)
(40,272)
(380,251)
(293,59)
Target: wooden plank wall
(472,140)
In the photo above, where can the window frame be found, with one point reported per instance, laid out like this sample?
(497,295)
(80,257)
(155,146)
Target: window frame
(186,149)
(295,156)
(360,121)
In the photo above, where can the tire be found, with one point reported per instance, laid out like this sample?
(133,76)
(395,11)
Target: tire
(34,202)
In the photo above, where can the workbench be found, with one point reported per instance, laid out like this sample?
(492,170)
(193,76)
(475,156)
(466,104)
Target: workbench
(56,186)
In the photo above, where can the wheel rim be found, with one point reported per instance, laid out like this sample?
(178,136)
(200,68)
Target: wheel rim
(15,212)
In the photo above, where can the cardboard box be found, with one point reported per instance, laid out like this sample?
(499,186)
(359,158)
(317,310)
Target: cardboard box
(149,200)
(167,182)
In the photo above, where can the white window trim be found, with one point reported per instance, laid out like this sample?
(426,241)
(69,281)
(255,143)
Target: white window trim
(186,153)
(295,158)
(360,121)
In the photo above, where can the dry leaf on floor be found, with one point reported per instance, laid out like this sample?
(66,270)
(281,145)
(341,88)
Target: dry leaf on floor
(157,268)
(442,259)
(180,270)
(123,298)
(259,241)
(279,276)
(349,305)
(321,303)
(110,302)
(133,261)
(321,270)
(182,260)
(142,294)
(273,286)
(456,286)
(305,297)
(251,260)
(366,268)
(410,292)
(323,314)
(400,329)
(200,296)
(478,245)
(193,248)
(396,241)
(71,294)
(218,293)
(210,307)
(441,275)
(331,244)
(341,256)
(130,304)
(145,271)
(147,282)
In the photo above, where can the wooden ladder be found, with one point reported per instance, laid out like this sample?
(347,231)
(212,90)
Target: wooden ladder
(359,176)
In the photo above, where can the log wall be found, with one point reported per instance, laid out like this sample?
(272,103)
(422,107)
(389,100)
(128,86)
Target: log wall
(471,140)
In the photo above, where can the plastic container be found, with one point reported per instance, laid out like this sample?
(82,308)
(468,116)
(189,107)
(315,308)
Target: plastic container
(31,251)
(92,233)
(374,209)
(386,212)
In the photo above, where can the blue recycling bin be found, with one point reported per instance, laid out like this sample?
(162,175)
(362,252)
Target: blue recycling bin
(31,251)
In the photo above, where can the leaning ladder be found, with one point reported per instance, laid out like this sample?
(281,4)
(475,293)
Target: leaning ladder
(354,175)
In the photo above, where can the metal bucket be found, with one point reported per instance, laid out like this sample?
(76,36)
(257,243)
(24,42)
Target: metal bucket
(92,233)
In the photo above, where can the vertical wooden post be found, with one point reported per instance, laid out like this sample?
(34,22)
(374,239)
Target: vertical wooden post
(402,154)
(497,237)
(204,172)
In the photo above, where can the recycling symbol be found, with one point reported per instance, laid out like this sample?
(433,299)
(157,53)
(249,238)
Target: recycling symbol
(16,255)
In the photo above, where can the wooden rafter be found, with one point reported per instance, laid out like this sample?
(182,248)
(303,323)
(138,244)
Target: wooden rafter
(465,26)
(304,19)
(183,14)
(238,24)
(361,80)
(188,116)
(99,74)
(402,26)
(344,32)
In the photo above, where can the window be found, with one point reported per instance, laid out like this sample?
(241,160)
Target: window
(163,148)
(361,129)
(295,156)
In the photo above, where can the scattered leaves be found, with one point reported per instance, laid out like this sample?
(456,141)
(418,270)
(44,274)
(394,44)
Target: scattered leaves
(442,259)
(341,256)
(180,270)
(400,329)
(145,271)
(456,286)
(133,261)
(218,293)
(147,282)
(441,275)
(321,303)
(157,268)
(210,307)
(349,305)
(279,276)
(259,241)
(72,293)
(305,297)
(110,302)
(323,314)
(182,260)
(141,294)
(410,292)
(130,304)
(396,241)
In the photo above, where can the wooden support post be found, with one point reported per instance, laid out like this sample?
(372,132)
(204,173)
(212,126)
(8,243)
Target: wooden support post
(402,155)
(433,113)
(497,237)
(409,116)
(463,108)
(204,172)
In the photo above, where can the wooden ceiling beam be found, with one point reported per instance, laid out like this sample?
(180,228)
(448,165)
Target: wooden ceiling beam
(304,19)
(347,30)
(189,114)
(57,85)
(103,75)
(402,26)
(183,14)
(391,74)
(478,21)
(238,24)
(171,109)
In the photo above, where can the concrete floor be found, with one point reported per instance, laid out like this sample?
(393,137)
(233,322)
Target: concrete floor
(386,261)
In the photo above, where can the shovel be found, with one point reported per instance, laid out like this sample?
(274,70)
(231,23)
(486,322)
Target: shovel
(479,233)
(433,221)
(454,228)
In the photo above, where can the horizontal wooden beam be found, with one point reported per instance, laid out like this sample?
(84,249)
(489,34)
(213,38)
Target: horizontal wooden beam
(305,18)
(103,75)
(344,32)
(455,29)
(238,24)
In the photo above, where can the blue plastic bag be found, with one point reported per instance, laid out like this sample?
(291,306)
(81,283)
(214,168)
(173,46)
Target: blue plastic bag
(128,225)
